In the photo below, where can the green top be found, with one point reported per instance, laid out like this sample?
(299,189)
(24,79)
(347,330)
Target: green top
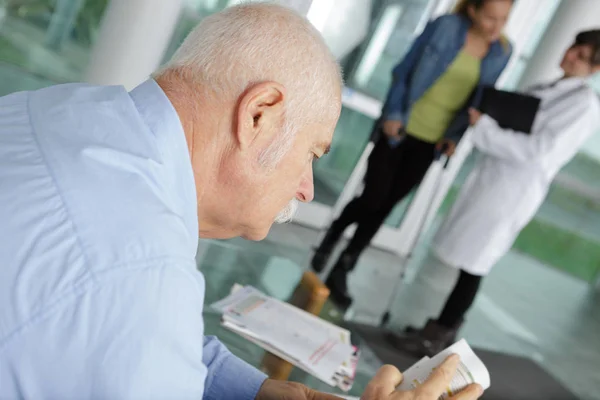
(432,114)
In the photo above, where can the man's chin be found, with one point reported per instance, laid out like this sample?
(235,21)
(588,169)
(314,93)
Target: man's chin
(256,235)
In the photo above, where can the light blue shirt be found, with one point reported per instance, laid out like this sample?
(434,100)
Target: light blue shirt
(99,292)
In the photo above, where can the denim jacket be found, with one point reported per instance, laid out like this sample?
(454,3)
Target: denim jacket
(428,58)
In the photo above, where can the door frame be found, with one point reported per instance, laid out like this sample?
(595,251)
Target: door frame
(433,188)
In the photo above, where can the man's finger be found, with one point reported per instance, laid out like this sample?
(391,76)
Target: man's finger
(321,396)
(472,392)
(440,379)
(310,394)
(384,383)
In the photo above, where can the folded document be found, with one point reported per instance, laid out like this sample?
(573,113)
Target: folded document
(310,343)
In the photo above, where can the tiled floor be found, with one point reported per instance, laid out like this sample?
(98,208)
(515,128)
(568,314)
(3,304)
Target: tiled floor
(524,307)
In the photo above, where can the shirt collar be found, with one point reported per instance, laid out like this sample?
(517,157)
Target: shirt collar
(560,84)
(159,115)
(571,83)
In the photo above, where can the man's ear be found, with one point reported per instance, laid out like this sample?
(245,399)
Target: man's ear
(260,114)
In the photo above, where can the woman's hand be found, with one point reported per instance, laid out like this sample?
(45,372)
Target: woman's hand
(392,129)
(446,146)
(474,116)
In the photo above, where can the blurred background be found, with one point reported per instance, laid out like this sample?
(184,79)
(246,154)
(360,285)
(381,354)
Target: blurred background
(542,302)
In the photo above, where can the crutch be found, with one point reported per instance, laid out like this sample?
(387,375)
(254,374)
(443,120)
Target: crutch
(446,160)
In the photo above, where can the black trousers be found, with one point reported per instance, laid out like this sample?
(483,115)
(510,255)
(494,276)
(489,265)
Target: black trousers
(460,300)
(391,174)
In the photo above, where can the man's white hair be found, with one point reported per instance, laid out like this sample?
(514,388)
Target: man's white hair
(257,42)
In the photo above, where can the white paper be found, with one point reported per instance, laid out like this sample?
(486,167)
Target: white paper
(298,363)
(238,293)
(340,379)
(416,367)
(313,344)
(470,370)
(317,346)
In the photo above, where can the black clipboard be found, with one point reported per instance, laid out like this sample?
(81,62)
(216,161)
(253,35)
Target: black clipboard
(512,110)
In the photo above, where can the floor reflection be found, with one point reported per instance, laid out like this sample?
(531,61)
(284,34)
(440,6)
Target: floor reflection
(525,308)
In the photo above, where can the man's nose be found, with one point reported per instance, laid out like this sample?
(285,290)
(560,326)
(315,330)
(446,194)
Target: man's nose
(306,191)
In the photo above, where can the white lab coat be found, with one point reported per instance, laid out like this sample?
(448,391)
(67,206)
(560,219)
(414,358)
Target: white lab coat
(512,176)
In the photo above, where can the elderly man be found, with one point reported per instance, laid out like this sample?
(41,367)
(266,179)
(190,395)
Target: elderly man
(103,193)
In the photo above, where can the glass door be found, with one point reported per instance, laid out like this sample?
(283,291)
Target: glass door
(367,61)
(368,75)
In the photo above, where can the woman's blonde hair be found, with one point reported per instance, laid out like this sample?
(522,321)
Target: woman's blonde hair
(462,6)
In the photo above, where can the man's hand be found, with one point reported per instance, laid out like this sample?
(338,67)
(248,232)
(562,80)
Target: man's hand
(474,116)
(392,129)
(447,146)
(383,386)
(280,390)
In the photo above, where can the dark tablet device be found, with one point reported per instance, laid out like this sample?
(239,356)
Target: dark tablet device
(511,110)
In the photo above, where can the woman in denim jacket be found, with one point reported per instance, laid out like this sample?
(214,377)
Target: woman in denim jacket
(426,112)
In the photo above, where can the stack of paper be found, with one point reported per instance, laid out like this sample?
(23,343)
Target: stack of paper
(310,343)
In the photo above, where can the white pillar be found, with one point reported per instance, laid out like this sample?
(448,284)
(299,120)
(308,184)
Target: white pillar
(133,37)
(571,17)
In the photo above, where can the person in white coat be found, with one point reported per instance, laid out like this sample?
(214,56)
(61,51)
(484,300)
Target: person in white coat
(508,185)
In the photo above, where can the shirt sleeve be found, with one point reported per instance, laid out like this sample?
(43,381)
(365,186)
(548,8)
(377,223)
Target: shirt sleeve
(228,376)
(559,129)
(489,138)
(152,335)
(138,334)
